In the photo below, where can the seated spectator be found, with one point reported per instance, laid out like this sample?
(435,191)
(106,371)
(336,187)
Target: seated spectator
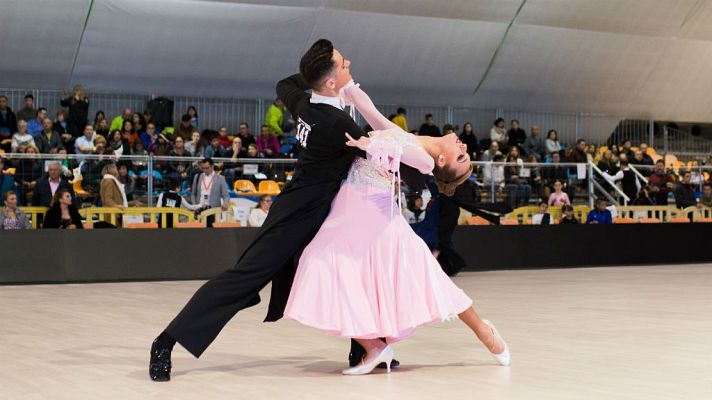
(22,137)
(149,136)
(551,144)
(517,187)
(492,152)
(578,154)
(567,215)
(98,117)
(195,146)
(647,160)
(27,172)
(259,214)
(627,144)
(209,189)
(542,217)
(36,124)
(85,143)
(112,191)
(533,145)
(102,128)
(275,117)
(535,177)
(184,129)
(140,151)
(643,198)
(236,150)
(62,214)
(7,183)
(414,212)
(129,135)
(129,182)
(179,169)
(498,133)
(224,139)
(28,111)
(48,141)
(267,143)
(193,113)
(245,135)
(684,193)
(8,120)
(400,119)
(118,122)
(139,124)
(516,135)
(48,185)
(600,214)
(559,198)
(493,175)
(555,172)
(642,163)
(447,129)
(213,151)
(12,217)
(430,129)
(61,126)
(706,198)
(118,144)
(468,138)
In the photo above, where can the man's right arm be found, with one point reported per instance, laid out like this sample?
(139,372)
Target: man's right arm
(292,91)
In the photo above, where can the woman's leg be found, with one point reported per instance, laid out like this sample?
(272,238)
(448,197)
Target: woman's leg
(494,343)
(373,347)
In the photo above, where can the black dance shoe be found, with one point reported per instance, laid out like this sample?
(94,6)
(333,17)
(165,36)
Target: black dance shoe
(159,369)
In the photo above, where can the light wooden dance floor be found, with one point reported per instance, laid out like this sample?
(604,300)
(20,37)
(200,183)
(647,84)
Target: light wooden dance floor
(603,333)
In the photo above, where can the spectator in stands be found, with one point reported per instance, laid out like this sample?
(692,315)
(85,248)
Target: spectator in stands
(533,145)
(259,214)
(195,146)
(129,182)
(179,169)
(558,197)
(150,135)
(428,128)
(36,124)
(551,144)
(646,157)
(236,150)
(192,112)
(112,191)
(607,163)
(552,173)
(517,187)
(48,185)
(78,105)
(184,129)
(27,112)
(542,217)
(400,119)
(224,139)
(12,217)
(275,117)
(498,133)
(140,151)
(578,154)
(61,126)
(244,133)
(98,117)
(129,134)
(516,135)
(643,198)
(684,192)
(7,182)
(447,129)
(567,215)
(102,128)
(467,137)
(600,214)
(62,214)
(493,175)
(253,152)
(414,212)
(48,141)
(627,144)
(214,149)
(85,143)
(139,124)
(118,143)
(267,143)
(639,160)
(21,138)
(27,172)
(118,122)
(535,177)
(706,198)
(209,189)
(8,120)
(492,152)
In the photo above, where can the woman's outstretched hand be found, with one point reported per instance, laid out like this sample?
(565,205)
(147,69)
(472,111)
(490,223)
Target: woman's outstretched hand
(361,143)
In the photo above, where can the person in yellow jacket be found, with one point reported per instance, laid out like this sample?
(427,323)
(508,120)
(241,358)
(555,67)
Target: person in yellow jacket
(400,120)
(275,117)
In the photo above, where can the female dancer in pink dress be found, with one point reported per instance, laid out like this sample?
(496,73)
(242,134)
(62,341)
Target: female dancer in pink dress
(366,274)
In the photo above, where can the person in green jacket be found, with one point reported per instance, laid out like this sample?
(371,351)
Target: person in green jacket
(118,122)
(275,117)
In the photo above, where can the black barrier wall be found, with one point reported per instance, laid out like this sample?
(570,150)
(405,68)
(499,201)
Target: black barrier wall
(53,256)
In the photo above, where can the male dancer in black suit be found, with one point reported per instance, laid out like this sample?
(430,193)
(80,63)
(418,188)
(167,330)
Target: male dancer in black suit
(295,216)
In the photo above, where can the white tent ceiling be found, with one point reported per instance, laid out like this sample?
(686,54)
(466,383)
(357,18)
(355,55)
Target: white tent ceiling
(624,57)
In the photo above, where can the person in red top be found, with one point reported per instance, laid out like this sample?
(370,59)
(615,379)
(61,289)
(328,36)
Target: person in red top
(660,183)
(267,143)
(223,139)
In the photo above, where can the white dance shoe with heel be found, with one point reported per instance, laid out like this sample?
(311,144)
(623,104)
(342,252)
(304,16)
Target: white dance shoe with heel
(385,356)
(503,357)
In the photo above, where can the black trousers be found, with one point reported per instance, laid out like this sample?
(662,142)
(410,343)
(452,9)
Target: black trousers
(291,224)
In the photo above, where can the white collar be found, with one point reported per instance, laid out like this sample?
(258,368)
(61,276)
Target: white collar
(332,101)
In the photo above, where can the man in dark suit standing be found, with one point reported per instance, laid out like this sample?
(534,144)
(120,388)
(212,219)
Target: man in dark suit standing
(294,218)
(48,185)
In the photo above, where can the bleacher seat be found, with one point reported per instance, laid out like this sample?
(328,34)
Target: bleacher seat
(244,186)
(269,187)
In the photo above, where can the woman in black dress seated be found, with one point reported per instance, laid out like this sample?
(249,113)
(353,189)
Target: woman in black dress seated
(62,214)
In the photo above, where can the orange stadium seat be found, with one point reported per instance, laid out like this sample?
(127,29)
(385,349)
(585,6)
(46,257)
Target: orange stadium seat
(182,225)
(704,220)
(679,220)
(269,187)
(509,222)
(477,220)
(648,220)
(142,225)
(226,225)
(624,221)
(244,186)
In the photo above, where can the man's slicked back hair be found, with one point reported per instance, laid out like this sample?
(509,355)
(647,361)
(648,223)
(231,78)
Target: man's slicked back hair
(317,62)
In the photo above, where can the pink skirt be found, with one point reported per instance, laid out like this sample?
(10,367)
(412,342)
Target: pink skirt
(367,275)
